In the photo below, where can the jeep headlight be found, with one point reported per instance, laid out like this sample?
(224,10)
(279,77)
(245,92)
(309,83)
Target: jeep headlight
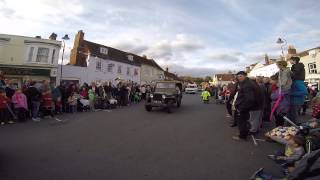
(151,95)
(163,96)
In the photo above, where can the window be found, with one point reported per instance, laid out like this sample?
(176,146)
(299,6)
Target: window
(130,57)
(42,55)
(136,73)
(312,68)
(104,50)
(53,56)
(30,55)
(119,70)
(128,71)
(98,65)
(110,67)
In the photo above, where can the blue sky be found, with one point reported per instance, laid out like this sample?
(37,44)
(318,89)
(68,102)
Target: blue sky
(191,37)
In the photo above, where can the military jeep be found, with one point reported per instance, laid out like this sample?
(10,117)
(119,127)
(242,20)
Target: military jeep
(165,94)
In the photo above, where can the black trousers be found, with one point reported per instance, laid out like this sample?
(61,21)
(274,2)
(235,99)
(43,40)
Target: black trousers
(22,114)
(243,124)
(229,108)
(4,115)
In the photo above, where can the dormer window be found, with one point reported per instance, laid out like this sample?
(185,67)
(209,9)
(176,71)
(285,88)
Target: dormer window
(104,50)
(130,57)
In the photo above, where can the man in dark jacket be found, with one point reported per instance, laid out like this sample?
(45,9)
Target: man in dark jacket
(244,104)
(34,96)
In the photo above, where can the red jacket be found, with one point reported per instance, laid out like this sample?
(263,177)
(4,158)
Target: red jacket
(4,100)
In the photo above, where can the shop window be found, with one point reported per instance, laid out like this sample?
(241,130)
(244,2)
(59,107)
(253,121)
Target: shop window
(312,68)
(42,55)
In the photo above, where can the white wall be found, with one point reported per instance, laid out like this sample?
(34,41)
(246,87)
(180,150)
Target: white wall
(91,73)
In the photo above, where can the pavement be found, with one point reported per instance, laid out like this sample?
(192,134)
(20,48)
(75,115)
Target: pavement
(192,143)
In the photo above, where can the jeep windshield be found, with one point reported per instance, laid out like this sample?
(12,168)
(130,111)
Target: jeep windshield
(166,86)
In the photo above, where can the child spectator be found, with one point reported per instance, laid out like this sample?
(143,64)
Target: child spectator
(84,93)
(72,101)
(20,105)
(56,97)
(92,98)
(4,112)
(294,151)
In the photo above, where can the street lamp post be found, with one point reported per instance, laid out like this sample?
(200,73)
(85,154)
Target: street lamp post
(65,38)
(283,43)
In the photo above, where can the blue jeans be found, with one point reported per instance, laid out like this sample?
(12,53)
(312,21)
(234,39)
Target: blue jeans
(35,109)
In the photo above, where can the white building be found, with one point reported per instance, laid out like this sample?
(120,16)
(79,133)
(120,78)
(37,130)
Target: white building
(101,70)
(311,60)
(28,58)
(92,62)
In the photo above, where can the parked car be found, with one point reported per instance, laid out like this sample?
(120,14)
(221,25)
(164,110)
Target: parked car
(191,89)
(166,94)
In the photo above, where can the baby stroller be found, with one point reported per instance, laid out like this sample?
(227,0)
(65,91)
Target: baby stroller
(312,146)
(306,169)
(47,107)
(83,105)
(113,103)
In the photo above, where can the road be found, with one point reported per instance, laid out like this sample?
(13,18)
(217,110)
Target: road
(192,143)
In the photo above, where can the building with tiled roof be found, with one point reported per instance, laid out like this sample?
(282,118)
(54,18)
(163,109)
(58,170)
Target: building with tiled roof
(93,62)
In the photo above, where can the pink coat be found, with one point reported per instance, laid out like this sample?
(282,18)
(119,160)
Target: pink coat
(20,100)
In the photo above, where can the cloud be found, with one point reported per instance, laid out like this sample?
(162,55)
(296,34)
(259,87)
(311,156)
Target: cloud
(184,42)
(197,37)
(226,58)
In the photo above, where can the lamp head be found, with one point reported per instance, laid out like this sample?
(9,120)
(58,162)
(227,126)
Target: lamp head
(280,41)
(66,37)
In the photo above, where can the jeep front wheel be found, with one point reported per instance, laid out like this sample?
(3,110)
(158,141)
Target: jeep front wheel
(148,108)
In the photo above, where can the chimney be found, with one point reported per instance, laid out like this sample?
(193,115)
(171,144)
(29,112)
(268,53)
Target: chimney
(167,69)
(291,50)
(266,59)
(247,69)
(53,36)
(144,56)
(76,58)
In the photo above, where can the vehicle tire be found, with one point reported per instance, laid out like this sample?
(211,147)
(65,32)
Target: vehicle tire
(148,108)
(168,110)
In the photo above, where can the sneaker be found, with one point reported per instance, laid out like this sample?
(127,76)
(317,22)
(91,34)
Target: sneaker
(2,123)
(272,156)
(36,119)
(57,119)
(10,122)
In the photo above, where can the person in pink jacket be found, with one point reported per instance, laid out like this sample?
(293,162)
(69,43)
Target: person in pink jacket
(20,105)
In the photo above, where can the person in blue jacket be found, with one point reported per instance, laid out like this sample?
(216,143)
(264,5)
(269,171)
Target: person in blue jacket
(298,89)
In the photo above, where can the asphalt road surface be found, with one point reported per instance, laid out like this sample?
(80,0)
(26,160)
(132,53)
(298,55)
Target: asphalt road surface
(192,143)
